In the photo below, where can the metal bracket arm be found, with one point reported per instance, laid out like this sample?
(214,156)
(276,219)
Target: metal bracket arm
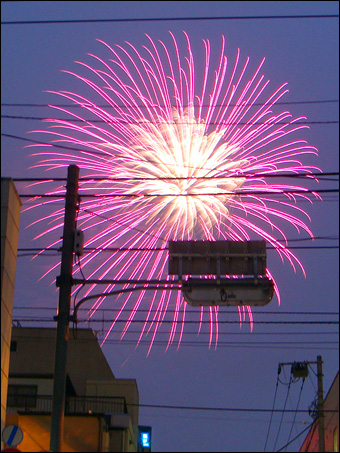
(64,279)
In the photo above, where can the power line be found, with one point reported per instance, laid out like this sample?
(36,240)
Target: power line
(170,19)
(219,194)
(319,176)
(226,344)
(46,252)
(37,142)
(321,247)
(307,175)
(54,145)
(160,342)
(272,413)
(231,344)
(158,249)
(296,437)
(202,333)
(31,251)
(283,412)
(302,313)
(297,406)
(325,199)
(221,322)
(320,101)
(211,123)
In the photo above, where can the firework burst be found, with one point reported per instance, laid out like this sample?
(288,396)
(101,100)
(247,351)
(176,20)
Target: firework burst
(180,157)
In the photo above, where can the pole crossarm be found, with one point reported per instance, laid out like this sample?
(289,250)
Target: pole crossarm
(80,281)
(292,363)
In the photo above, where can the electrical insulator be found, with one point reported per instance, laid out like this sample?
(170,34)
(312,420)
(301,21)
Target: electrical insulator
(78,242)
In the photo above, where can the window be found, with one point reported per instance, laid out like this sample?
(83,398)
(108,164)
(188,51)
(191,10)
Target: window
(22,395)
(13,346)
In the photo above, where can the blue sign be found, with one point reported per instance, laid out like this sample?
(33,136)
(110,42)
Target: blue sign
(144,434)
(145,440)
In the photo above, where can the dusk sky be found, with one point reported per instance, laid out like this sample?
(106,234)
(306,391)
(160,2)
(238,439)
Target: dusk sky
(241,373)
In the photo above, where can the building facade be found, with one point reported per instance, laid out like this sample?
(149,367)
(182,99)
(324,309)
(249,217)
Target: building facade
(101,411)
(331,408)
(10,217)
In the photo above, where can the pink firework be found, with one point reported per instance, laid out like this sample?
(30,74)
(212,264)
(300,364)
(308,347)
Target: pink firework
(173,156)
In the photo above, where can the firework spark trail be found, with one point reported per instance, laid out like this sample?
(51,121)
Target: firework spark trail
(174,152)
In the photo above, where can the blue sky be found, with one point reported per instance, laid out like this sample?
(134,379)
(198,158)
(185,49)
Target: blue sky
(302,52)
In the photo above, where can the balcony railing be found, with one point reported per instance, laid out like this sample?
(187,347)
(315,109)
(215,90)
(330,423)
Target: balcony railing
(42,404)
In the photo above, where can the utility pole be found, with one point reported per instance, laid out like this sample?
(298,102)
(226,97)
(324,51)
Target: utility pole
(321,415)
(300,369)
(64,281)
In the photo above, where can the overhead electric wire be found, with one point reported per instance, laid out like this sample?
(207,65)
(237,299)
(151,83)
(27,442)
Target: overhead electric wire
(326,198)
(211,123)
(54,145)
(170,19)
(296,437)
(218,409)
(203,333)
(297,407)
(141,310)
(320,101)
(317,101)
(190,342)
(221,344)
(283,412)
(319,176)
(154,195)
(164,344)
(158,249)
(45,253)
(311,380)
(310,435)
(272,413)
(37,142)
(221,322)
(75,149)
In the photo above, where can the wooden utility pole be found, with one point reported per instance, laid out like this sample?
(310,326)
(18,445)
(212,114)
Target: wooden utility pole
(321,415)
(64,281)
